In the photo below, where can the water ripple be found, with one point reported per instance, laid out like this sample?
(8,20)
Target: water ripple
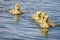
(26,28)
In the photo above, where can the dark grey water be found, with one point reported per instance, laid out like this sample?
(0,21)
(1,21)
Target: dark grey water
(27,29)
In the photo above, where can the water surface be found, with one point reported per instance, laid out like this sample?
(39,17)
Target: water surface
(27,29)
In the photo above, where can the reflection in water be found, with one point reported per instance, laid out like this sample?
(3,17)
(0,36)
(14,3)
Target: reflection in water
(44,32)
(16,18)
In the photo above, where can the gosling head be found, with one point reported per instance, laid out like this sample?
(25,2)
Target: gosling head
(44,15)
(17,6)
(38,13)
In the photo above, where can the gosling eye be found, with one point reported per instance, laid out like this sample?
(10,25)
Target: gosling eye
(45,13)
(39,15)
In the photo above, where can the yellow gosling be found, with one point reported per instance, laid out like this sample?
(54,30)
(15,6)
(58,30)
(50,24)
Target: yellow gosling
(17,11)
(43,20)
